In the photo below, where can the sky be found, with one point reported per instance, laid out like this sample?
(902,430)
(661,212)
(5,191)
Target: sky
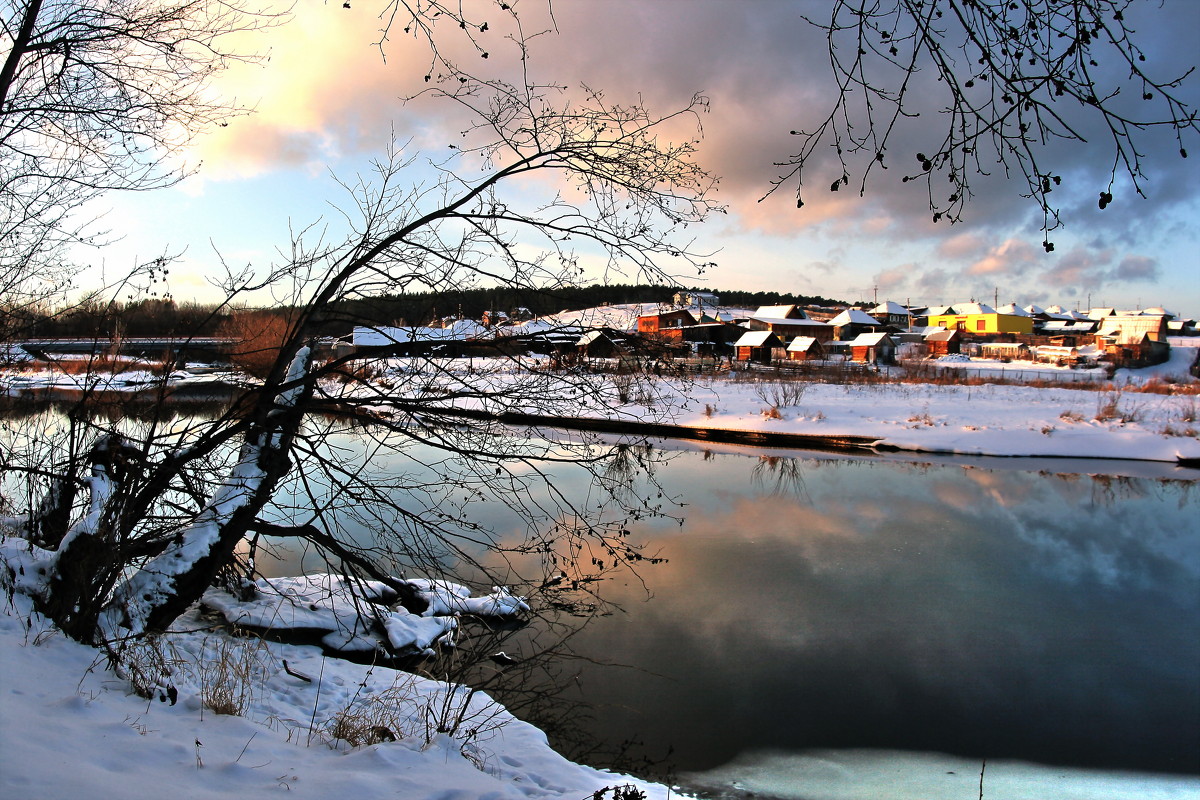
(326,101)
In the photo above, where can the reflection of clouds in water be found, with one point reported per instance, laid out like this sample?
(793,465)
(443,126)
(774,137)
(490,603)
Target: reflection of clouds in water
(879,614)
(852,775)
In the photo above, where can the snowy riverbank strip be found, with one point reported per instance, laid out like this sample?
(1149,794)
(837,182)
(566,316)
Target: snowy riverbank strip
(758,407)
(990,419)
(71,728)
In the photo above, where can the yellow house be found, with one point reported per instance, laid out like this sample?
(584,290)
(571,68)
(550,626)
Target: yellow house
(979,318)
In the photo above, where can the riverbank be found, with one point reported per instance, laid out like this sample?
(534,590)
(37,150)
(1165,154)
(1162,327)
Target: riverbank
(984,417)
(71,728)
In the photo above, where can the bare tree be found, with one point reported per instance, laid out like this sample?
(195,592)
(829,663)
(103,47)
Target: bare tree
(1011,78)
(98,96)
(133,526)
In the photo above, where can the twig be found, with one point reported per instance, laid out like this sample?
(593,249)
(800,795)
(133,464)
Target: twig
(313,720)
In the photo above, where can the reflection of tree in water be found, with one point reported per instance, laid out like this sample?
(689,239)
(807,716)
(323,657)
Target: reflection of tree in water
(630,475)
(533,671)
(1108,490)
(780,476)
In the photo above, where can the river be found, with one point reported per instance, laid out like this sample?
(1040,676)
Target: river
(993,609)
(987,609)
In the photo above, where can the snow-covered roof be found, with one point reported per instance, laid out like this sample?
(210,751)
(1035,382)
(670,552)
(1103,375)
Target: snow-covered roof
(891,307)
(1035,310)
(590,337)
(1014,310)
(801,344)
(1065,326)
(776,311)
(753,339)
(868,339)
(788,321)
(967,309)
(853,316)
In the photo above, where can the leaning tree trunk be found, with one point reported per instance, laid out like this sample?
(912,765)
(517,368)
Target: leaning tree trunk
(87,561)
(170,582)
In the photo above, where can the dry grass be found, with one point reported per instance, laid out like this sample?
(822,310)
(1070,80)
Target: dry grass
(382,717)
(1109,409)
(232,674)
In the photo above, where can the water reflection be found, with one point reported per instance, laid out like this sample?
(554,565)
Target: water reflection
(961,610)
(817,604)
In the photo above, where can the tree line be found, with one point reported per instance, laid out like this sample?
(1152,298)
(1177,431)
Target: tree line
(166,317)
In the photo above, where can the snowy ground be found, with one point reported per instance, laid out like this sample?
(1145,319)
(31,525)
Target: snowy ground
(1116,422)
(69,728)
(990,419)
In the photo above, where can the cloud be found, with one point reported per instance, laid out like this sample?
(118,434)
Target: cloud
(1137,268)
(894,279)
(1013,257)
(327,97)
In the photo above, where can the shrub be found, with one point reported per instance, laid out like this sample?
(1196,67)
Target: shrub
(257,338)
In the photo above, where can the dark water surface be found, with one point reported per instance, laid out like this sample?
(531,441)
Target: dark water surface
(984,608)
(988,613)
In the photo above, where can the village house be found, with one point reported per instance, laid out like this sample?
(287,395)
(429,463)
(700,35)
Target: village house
(666,324)
(873,348)
(851,322)
(805,348)
(757,346)
(1003,351)
(788,328)
(943,342)
(1129,327)
(599,344)
(699,300)
(893,315)
(979,318)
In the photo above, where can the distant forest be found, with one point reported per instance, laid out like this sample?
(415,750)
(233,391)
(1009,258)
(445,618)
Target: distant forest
(420,309)
(164,317)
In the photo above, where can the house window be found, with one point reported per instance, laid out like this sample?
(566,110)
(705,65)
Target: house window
(980,324)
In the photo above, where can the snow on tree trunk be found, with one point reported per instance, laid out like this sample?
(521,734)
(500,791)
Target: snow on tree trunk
(170,582)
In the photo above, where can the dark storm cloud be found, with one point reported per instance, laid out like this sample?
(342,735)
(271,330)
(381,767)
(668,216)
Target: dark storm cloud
(766,73)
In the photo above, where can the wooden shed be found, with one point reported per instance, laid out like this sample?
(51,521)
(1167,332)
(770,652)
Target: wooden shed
(943,343)
(873,348)
(756,346)
(804,348)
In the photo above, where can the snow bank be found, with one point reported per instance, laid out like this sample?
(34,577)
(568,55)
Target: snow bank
(359,615)
(73,729)
(988,419)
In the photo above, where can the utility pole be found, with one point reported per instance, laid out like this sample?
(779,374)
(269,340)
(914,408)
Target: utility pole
(996,298)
